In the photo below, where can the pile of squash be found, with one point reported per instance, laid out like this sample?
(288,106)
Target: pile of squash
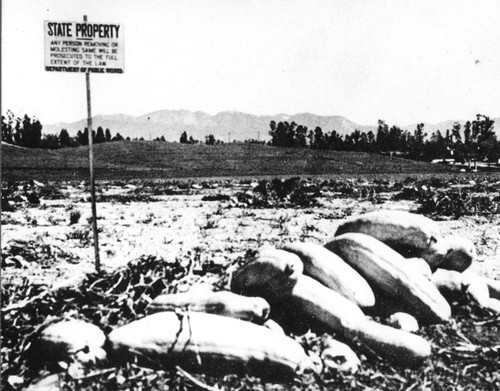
(388,265)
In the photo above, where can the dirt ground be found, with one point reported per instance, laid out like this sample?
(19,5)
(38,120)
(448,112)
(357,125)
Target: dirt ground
(171,226)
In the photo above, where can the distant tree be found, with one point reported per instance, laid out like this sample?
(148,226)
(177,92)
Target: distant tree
(50,141)
(486,128)
(82,138)
(107,135)
(64,139)
(334,141)
(372,146)
(272,132)
(319,138)
(415,144)
(8,128)
(36,130)
(467,133)
(436,147)
(382,136)
(300,137)
(85,137)
(251,141)
(486,140)
(25,132)
(310,138)
(184,138)
(395,140)
(455,133)
(290,135)
(363,143)
(278,133)
(17,131)
(192,140)
(210,139)
(349,143)
(28,132)
(100,137)
(118,137)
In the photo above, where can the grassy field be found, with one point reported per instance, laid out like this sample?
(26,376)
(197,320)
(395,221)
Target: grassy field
(148,160)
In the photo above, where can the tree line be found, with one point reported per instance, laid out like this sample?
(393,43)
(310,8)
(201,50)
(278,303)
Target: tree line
(209,140)
(27,132)
(475,141)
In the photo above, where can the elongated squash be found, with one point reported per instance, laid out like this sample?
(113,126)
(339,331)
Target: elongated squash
(460,254)
(208,343)
(403,321)
(449,283)
(273,325)
(271,267)
(398,346)
(493,305)
(476,288)
(324,304)
(69,340)
(410,234)
(385,270)
(419,265)
(225,303)
(306,296)
(329,269)
(342,316)
(338,357)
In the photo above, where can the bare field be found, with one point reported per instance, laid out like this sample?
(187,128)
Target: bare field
(220,230)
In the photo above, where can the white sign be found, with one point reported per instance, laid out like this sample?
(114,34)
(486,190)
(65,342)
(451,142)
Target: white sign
(84,47)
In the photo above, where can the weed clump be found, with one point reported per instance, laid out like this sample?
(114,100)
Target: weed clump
(279,193)
(458,203)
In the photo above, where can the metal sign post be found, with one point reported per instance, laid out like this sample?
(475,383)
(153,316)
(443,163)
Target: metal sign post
(85,48)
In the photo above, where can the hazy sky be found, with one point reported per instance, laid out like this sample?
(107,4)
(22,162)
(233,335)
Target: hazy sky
(401,61)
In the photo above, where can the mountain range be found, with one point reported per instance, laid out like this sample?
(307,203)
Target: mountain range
(226,125)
